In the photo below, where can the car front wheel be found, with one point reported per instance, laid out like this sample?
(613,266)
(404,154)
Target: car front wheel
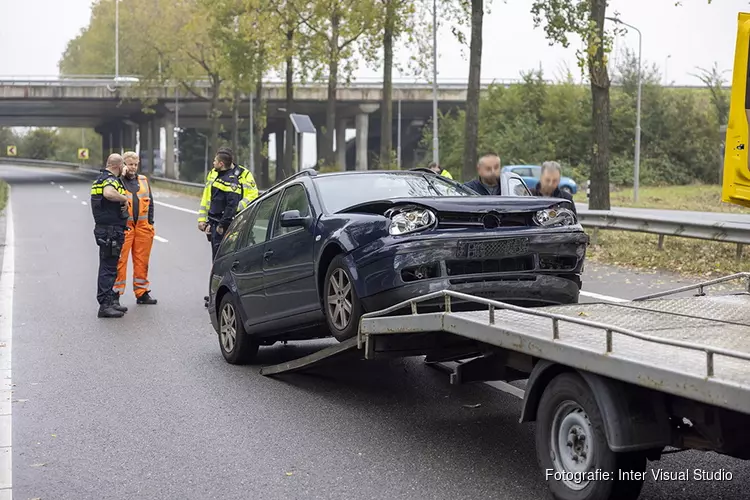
(236,345)
(342,307)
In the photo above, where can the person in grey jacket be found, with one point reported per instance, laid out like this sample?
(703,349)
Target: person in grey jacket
(488,176)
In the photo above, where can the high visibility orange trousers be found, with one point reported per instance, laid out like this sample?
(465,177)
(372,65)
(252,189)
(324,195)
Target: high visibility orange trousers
(138,241)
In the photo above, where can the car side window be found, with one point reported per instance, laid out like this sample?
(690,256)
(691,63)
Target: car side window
(523,172)
(258,229)
(234,232)
(518,188)
(294,198)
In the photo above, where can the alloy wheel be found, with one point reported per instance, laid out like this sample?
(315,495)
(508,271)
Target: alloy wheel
(228,327)
(340,299)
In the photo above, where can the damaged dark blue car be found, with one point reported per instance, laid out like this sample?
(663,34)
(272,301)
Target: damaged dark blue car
(314,253)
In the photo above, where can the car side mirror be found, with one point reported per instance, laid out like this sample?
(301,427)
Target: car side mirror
(292,218)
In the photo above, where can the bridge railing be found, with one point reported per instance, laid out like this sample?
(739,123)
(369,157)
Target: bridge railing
(726,232)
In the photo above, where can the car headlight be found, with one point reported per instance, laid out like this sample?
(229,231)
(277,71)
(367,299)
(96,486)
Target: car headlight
(409,220)
(553,217)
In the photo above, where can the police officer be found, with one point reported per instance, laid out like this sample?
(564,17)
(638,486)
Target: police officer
(247,182)
(226,194)
(439,170)
(109,207)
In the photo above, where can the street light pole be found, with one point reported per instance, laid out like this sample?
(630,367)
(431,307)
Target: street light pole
(117,39)
(251,161)
(205,156)
(435,139)
(398,137)
(637,155)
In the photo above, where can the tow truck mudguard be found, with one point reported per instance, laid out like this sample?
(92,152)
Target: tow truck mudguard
(635,418)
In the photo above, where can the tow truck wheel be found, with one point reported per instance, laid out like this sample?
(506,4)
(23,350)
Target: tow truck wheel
(572,448)
(237,347)
(340,302)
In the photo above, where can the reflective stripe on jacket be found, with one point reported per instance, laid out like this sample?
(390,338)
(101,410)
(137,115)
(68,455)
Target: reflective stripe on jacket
(249,191)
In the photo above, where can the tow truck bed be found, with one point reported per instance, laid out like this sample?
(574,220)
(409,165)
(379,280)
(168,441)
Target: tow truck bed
(694,347)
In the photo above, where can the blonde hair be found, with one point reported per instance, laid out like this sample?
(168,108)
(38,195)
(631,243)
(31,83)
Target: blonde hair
(130,154)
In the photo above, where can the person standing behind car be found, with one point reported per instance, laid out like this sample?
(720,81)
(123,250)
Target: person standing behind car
(488,176)
(549,183)
(226,194)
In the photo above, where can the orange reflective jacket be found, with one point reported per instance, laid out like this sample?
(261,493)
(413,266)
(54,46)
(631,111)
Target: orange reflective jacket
(141,203)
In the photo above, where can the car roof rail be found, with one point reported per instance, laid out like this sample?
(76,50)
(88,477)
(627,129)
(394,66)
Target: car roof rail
(422,169)
(310,172)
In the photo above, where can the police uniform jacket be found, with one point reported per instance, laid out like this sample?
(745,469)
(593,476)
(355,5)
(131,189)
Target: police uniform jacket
(226,193)
(106,212)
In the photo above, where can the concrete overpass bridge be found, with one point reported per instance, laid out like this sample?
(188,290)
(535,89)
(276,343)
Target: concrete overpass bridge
(116,110)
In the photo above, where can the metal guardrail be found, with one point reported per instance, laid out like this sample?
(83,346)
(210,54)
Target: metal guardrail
(714,231)
(726,232)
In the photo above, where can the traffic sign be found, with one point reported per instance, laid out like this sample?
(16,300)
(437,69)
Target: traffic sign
(11,151)
(83,153)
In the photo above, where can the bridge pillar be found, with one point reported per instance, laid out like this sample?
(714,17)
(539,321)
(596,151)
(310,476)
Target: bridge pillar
(362,123)
(106,144)
(143,146)
(341,143)
(169,164)
(279,134)
(128,137)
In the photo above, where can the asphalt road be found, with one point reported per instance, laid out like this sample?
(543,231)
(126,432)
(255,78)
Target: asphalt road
(145,407)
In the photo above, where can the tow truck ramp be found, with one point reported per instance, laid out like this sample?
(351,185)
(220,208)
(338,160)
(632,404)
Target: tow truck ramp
(694,347)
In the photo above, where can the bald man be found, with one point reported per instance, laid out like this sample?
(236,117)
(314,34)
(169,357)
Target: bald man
(108,205)
(488,176)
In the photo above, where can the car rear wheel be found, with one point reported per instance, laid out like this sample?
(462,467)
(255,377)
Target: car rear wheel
(572,448)
(343,309)
(236,345)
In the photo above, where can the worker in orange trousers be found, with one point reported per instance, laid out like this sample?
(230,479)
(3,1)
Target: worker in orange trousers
(139,236)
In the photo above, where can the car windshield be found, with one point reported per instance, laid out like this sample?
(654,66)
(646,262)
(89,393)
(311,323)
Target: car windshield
(343,191)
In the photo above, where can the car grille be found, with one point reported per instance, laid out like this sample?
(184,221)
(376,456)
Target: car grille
(495,248)
(458,219)
(510,264)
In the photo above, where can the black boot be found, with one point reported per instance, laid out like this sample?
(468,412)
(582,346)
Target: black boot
(116,303)
(107,310)
(205,301)
(146,299)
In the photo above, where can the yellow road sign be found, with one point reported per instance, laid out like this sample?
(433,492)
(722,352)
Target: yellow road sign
(83,153)
(11,151)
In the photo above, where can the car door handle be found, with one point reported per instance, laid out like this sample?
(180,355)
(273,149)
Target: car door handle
(235,264)
(268,254)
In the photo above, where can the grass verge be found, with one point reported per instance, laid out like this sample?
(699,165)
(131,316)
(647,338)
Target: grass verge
(696,197)
(3,195)
(686,256)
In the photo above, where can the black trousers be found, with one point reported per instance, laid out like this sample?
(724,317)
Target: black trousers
(215,240)
(107,262)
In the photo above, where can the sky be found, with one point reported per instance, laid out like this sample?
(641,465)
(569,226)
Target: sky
(34,34)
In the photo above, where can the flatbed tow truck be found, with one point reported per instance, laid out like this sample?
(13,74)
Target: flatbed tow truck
(609,385)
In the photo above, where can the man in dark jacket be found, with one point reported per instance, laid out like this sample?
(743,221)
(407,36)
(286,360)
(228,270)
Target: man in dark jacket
(549,183)
(488,176)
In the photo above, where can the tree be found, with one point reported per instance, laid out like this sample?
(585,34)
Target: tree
(334,27)
(40,144)
(472,93)
(400,22)
(585,18)
(714,80)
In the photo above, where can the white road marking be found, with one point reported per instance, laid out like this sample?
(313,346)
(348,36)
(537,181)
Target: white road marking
(159,238)
(606,298)
(61,187)
(175,207)
(75,197)
(84,203)
(6,335)
(67,191)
